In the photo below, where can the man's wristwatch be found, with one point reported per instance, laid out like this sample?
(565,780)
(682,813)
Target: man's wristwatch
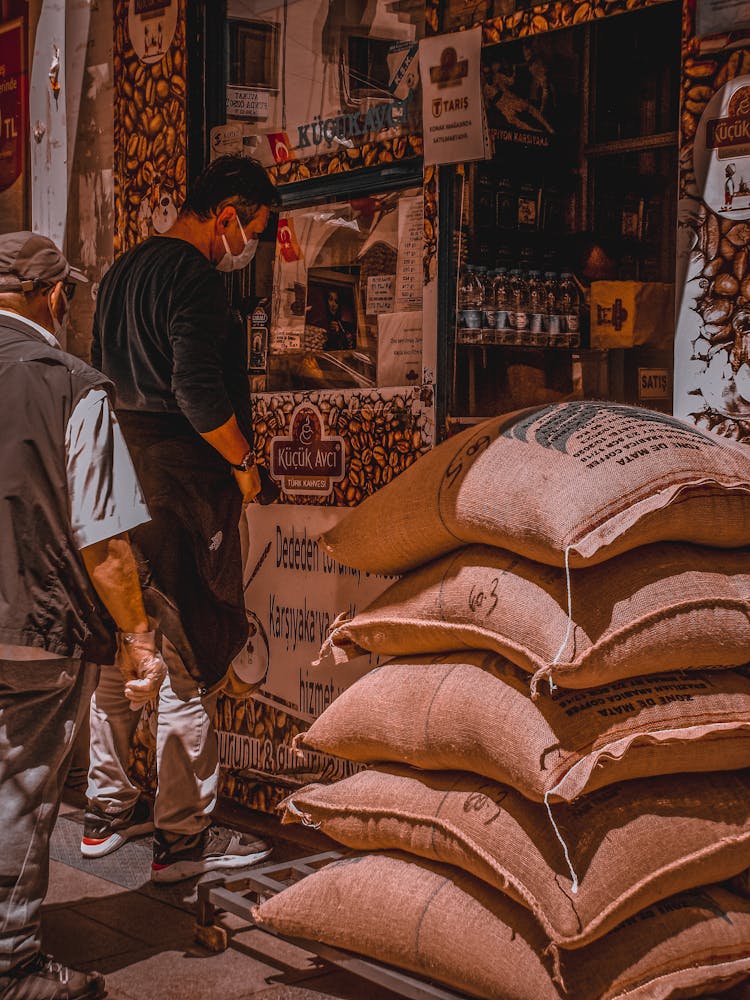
(246,464)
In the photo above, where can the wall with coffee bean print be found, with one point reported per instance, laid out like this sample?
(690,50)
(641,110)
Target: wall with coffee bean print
(712,345)
(549,17)
(150,115)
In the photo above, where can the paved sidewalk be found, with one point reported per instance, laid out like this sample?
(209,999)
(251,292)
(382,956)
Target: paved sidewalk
(106,915)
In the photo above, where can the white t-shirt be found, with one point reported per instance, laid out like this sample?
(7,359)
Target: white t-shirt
(105,496)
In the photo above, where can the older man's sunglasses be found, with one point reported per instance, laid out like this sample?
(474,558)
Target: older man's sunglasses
(69,287)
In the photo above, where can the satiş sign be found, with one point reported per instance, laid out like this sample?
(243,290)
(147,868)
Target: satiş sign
(654,383)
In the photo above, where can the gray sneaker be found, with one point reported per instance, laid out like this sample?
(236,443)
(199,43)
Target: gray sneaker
(213,849)
(104,833)
(42,978)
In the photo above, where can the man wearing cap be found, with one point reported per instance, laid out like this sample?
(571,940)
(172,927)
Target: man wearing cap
(68,496)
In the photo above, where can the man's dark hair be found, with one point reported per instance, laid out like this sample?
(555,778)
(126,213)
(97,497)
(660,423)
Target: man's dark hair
(231,180)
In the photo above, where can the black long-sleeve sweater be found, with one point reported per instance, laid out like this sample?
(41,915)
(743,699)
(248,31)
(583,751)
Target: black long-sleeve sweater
(165,335)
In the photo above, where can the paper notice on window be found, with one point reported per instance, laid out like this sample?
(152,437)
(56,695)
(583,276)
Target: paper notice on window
(379,294)
(399,348)
(408,294)
(285,340)
(243,102)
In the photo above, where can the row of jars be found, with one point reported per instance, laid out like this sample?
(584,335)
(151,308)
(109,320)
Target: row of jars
(497,306)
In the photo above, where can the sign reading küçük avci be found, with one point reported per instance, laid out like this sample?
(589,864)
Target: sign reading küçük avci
(308,461)
(349,125)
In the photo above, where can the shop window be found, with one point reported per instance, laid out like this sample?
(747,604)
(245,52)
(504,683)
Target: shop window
(582,189)
(253,54)
(346,296)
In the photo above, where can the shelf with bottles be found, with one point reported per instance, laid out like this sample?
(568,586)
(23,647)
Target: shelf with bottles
(518,309)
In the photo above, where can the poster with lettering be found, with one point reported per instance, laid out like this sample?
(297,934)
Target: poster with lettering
(452,106)
(13,104)
(293,593)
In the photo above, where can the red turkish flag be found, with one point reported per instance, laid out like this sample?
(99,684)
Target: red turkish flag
(281,147)
(287,242)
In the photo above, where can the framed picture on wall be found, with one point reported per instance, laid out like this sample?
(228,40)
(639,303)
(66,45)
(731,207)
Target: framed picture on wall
(334,306)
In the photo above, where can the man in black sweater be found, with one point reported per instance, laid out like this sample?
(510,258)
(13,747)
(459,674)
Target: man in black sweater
(165,335)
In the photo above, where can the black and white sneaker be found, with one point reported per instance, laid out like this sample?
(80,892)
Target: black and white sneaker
(41,978)
(213,849)
(103,833)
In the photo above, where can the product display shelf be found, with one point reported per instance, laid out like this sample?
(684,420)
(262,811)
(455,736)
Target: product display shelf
(239,894)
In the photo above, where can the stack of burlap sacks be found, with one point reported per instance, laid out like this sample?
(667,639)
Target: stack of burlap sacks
(550,810)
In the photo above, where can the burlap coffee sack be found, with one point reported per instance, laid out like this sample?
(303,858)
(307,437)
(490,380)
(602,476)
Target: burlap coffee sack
(661,607)
(473,712)
(631,844)
(444,924)
(692,944)
(589,479)
(430,919)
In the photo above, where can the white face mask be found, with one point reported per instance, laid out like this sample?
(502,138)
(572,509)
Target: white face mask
(236,262)
(60,327)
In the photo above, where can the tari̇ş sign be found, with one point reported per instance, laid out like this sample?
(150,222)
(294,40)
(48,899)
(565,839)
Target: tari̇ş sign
(308,461)
(452,105)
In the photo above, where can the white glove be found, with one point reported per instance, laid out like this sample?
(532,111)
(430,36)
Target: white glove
(142,667)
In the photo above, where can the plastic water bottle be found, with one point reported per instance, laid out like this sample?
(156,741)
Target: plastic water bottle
(570,308)
(553,320)
(470,306)
(487,275)
(536,308)
(519,306)
(501,296)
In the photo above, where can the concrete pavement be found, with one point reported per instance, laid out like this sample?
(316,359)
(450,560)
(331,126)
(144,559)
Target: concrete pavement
(106,915)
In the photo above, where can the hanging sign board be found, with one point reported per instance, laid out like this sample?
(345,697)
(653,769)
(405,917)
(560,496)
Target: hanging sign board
(452,104)
(721,153)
